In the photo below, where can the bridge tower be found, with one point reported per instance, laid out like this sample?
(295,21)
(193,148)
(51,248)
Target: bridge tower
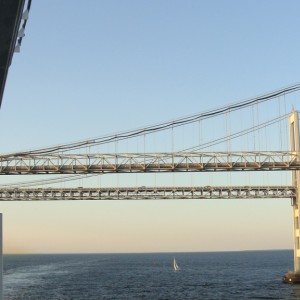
(294,277)
(295,147)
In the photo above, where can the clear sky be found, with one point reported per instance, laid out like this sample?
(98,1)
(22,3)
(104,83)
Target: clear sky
(88,68)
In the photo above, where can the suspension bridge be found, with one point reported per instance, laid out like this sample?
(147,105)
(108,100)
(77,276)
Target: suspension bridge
(205,150)
(233,140)
(62,160)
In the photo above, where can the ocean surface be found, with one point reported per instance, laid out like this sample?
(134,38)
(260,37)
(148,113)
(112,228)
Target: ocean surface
(214,275)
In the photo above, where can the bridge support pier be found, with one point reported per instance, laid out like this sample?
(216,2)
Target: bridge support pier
(294,277)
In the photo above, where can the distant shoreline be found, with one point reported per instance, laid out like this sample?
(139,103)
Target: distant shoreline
(137,253)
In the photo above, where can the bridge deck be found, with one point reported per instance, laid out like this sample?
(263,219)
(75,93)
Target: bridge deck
(150,193)
(17,164)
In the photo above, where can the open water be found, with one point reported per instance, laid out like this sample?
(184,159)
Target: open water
(216,275)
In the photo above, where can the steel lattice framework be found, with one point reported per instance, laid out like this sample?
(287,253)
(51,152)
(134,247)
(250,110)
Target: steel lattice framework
(19,164)
(148,193)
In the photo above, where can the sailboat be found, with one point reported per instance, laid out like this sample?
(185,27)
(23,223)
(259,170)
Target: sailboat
(175,266)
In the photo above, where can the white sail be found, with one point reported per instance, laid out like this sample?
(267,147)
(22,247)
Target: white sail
(175,266)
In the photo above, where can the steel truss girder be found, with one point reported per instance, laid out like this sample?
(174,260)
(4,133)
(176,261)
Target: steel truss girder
(147,193)
(148,162)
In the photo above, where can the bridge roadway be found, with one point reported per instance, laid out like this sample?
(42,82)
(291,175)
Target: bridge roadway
(146,193)
(26,163)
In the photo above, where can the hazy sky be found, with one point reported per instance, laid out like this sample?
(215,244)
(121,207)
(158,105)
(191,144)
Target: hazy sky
(88,68)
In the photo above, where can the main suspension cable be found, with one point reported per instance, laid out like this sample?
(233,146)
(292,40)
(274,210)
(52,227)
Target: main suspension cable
(163,126)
